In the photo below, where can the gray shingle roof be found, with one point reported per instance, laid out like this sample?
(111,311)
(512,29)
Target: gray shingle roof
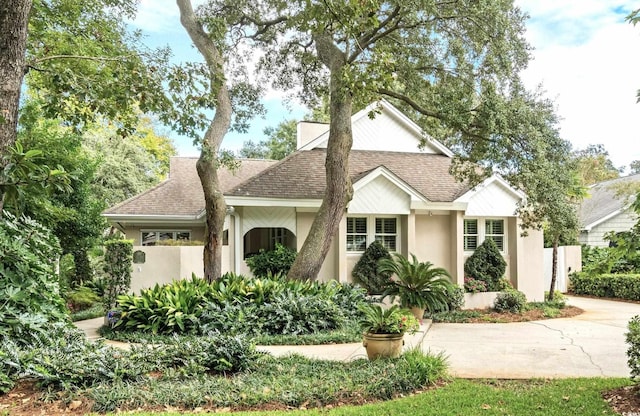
(182,194)
(302,175)
(605,199)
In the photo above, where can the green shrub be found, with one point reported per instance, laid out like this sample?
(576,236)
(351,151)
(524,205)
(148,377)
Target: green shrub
(118,258)
(274,262)
(633,352)
(455,296)
(486,264)
(290,313)
(512,301)
(173,307)
(366,273)
(607,285)
(472,285)
(81,298)
(30,297)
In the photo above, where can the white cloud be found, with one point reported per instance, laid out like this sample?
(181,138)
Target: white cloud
(586,58)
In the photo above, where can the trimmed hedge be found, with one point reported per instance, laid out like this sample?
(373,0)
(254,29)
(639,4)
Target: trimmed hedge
(621,286)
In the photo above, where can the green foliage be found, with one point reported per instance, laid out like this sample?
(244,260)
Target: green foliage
(594,164)
(235,304)
(273,262)
(173,307)
(394,320)
(118,258)
(472,285)
(417,284)
(606,285)
(486,264)
(291,382)
(61,357)
(597,260)
(291,313)
(366,273)
(280,142)
(95,311)
(81,298)
(512,301)
(633,352)
(30,298)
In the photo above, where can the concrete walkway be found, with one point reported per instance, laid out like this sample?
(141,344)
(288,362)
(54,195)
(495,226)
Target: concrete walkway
(589,345)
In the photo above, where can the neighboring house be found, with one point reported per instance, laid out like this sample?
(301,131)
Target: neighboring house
(607,209)
(403,196)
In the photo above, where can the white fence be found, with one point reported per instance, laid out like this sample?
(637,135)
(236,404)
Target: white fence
(569,261)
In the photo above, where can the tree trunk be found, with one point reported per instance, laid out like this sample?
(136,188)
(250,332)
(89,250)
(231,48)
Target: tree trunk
(554,267)
(14,21)
(207,164)
(339,190)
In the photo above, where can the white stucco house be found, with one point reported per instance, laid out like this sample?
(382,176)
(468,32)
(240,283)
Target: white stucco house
(403,196)
(607,209)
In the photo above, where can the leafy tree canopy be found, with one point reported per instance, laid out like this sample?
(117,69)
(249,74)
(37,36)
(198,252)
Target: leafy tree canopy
(594,164)
(280,142)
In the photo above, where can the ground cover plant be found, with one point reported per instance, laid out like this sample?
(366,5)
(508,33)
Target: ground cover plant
(181,377)
(511,308)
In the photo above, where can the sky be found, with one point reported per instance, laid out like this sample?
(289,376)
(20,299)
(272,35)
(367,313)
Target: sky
(585,57)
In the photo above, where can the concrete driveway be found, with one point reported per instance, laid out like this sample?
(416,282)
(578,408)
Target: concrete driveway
(589,345)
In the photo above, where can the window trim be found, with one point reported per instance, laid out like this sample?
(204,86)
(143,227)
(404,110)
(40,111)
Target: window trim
(158,231)
(371,231)
(482,235)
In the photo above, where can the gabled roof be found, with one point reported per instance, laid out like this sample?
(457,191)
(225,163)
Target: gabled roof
(181,194)
(604,201)
(402,130)
(302,175)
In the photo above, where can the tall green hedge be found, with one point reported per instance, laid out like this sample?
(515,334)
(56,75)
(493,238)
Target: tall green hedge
(621,286)
(118,258)
(366,273)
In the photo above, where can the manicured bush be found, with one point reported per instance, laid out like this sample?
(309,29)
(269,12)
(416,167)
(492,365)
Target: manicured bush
(366,272)
(633,352)
(486,264)
(512,301)
(455,296)
(622,286)
(29,292)
(118,258)
(274,262)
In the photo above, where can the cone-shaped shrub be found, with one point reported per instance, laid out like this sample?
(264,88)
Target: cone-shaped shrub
(365,272)
(486,264)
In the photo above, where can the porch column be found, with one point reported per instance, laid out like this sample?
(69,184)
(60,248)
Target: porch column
(411,233)
(341,248)
(457,248)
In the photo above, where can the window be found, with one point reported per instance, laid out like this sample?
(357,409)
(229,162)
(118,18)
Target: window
(494,229)
(362,231)
(150,238)
(474,233)
(356,233)
(386,232)
(470,235)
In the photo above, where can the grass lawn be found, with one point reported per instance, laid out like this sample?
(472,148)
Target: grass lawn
(485,397)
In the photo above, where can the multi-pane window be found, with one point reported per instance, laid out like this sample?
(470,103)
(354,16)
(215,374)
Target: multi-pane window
(494,229)
(362,231)
(470,235)
(386,232)
(356,233)
(474,233)
(151,238)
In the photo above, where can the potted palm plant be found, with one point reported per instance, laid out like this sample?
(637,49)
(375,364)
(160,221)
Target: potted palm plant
(418,285)
(384,329)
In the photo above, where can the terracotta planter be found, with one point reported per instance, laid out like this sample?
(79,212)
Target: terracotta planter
(418,313)
(383,345)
